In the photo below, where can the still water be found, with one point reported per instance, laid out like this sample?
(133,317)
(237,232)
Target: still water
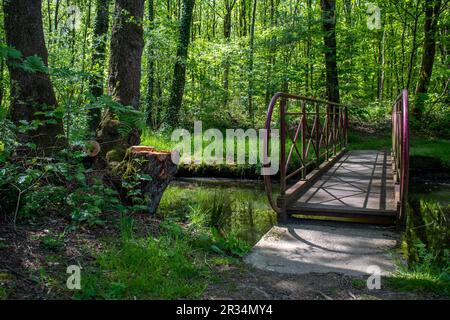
(237,208)
(241,208)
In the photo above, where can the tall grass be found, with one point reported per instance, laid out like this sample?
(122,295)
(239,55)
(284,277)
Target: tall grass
(425,246)
(201,227)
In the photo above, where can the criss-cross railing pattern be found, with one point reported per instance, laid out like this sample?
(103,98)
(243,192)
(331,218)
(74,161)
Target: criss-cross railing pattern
(311,131)
(400,152)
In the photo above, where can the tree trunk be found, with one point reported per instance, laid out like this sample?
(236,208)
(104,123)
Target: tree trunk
(150,70)
(329,29)
(381,71)
(229,4)
(98,61)
(31,92)
(243,18)
(56,17)
(179,73)
(412,57)
(250,64)
(124,78)
(308,67)
(156,164)
(2,88)
(271,55)
(432,10)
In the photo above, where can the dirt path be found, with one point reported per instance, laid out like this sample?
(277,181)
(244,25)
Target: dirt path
(247,283)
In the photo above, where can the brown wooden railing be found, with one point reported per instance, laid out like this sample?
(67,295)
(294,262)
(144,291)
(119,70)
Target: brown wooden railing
(400,153)
(312,133)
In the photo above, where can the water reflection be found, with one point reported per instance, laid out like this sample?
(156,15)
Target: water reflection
(430,189)
(237,209)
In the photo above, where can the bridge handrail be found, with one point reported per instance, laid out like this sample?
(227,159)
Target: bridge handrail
(400,151)
(333,132)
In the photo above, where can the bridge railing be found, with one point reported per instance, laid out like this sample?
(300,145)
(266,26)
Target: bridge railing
(400,152)
(312,131)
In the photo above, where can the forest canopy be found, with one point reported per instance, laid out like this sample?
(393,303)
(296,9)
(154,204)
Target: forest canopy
(238,54)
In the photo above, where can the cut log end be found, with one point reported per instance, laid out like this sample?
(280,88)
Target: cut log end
(159,165)
(142,149)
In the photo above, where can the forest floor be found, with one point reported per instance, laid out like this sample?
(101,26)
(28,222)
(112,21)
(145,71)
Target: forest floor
(35,256)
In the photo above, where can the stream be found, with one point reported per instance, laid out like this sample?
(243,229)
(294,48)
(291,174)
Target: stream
(241,208)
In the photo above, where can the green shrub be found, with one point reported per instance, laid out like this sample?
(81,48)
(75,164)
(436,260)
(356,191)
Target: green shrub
(34,187)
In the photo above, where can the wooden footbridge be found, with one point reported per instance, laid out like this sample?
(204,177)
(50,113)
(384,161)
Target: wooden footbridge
(318,175)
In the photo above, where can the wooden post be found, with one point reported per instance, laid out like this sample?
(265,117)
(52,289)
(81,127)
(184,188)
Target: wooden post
(282,216)
(327,134)
(303,132)
(317,136)
(334,131)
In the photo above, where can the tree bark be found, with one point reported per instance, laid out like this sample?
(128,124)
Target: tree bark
(432,11)
(308,67)
(329,29)
(381,64)
(179,73)
(31,92)
(98,61)
(2,88)
(124,78)
(156,164)
(250,64)
(243,18)
(229,5)
(412,57)
(271,53)
(150,70)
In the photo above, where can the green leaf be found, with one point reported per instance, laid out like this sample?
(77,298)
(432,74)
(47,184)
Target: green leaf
(34,64)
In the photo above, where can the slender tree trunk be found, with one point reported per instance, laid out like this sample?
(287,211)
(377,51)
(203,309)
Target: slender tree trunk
(229,4)
(179,73)
(432,10)
(250,64)
(158,102)
(2,88)
(243,18)
(31,92)
(329,29)
(271,54)
(412,56)
(49,14)
(308,46)
(98,60)
(150,69)
(56,16)
(214,19)
(381,71)
(124,78)
(403,54)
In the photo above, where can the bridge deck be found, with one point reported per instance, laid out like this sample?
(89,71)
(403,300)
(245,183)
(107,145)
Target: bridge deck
(359,185)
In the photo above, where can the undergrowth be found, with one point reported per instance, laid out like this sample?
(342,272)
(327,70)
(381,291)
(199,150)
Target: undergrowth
(425,246)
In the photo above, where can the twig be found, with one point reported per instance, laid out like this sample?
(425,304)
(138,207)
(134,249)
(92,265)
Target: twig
(19,274)
(323,295)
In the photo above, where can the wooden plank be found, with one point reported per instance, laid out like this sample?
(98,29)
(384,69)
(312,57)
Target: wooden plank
(359,186)
(295,189)
(359,218)
(299,208)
